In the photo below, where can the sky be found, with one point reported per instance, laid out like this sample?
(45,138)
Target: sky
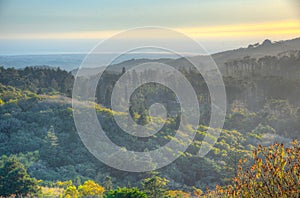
(57,26)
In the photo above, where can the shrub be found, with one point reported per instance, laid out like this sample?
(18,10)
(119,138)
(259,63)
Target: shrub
(275,172)
(126,193)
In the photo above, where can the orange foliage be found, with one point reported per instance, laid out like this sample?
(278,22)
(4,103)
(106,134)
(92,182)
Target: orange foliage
(275,172)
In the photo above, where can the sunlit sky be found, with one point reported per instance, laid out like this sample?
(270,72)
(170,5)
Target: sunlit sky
(57,26)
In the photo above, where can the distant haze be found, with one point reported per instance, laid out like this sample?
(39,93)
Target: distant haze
(68,27)
(71,61)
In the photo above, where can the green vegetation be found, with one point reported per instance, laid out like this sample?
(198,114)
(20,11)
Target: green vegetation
(37,79)
(155,186)
(126,193)
(44,139)
(14,179)
(273,172)
(40,147)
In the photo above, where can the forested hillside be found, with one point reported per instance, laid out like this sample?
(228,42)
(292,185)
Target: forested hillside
(38,79)
(38,131)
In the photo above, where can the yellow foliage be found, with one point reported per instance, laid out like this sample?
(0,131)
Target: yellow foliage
(71,191)
(178,194)
(51,192)
(91,188)
(198,192)
(275,172)
(64,184)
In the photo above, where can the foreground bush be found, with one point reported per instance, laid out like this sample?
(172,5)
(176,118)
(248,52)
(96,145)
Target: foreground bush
(275,172)
(126,193)
(91,189)
(14,180)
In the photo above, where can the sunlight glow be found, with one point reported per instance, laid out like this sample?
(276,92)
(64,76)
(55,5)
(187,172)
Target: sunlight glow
(267,29)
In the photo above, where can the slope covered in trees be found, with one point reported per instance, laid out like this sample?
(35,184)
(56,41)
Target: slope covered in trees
(38,79)
(37,129)
(44,138)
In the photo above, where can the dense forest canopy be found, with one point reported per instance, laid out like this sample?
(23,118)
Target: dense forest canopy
(37,127)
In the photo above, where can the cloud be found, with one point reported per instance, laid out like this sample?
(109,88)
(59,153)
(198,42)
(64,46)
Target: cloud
(284,28)
(266,29)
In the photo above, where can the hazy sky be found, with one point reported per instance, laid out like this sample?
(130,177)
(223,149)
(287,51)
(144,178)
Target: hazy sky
(74,26)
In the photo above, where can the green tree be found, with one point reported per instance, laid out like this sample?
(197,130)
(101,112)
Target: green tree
(107,183)
(155,187)
(14,179)
(144,118)
(123,70)
(126,193)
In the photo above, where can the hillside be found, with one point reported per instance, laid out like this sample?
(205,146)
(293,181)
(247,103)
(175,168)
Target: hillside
(258,50)
(71,62)
(37,127)
(253,51)
(44,138)
(39,130)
